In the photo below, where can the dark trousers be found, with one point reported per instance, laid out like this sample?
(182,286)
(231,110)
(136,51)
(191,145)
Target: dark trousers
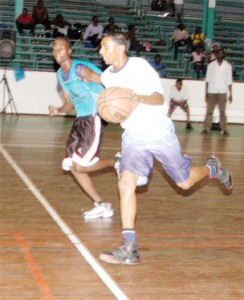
(180,43)
(220,100)
(22,27)
(199,67)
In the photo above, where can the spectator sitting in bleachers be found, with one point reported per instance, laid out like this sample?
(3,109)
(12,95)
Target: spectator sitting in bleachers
(111,26)
(93,33)
(180,38)
(135,45)
(171,6)
(61,26)
(158,4)
(197,39)
(179,7)
(40,16)
(158,65)
(25,22)
(197,57)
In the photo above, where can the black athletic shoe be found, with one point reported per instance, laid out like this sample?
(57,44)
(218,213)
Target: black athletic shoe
(204,132)
(188,126)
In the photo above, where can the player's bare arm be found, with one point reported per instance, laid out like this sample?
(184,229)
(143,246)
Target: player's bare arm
(154,99)
(89,75)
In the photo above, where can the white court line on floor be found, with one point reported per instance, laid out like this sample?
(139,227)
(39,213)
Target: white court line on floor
(105,277)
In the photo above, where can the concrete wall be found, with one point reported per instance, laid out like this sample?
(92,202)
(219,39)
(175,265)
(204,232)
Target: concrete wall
(34,93)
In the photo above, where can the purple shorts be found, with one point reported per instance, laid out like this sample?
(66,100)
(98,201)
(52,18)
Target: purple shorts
(137,156)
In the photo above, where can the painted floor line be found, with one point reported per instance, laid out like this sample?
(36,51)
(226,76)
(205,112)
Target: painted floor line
(105,277)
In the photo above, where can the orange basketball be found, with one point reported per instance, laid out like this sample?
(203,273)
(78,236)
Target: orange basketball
(115,104)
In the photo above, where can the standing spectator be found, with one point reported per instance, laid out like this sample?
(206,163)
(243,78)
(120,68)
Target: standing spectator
(197,39)
(218,82)
(40,15)
(158,65)
(180,38)
(172,8)
(25,22)
(211,57)
(178,98)
(179,7)
(93,32)
(111,26)
(213,53)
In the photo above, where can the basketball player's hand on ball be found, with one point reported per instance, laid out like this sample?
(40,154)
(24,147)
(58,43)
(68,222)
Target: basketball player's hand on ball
(135,98)
(53,110)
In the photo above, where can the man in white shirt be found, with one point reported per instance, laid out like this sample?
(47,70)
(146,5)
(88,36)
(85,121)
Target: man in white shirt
(218,84)
(178,98)
(93,32)
(180,38)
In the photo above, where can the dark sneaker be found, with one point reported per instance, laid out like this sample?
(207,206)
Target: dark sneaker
(188,126)
(224,133)
(204,132)
(117,159)
(221,174)
(127,254)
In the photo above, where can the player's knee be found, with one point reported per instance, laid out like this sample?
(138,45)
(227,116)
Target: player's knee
(125,184)
(78,168)
(185,185)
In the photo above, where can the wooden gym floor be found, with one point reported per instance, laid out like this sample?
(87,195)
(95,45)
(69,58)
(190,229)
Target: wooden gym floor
(191,244)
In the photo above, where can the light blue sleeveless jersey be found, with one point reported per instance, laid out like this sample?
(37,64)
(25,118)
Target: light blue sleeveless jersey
(83,95)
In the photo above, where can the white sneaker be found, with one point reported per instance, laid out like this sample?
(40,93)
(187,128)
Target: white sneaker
(103,210)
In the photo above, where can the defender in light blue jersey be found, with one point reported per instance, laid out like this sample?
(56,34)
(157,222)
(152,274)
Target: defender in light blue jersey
(81,86)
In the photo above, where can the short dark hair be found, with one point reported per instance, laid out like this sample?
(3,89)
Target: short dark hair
(120,38)
(66,39)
